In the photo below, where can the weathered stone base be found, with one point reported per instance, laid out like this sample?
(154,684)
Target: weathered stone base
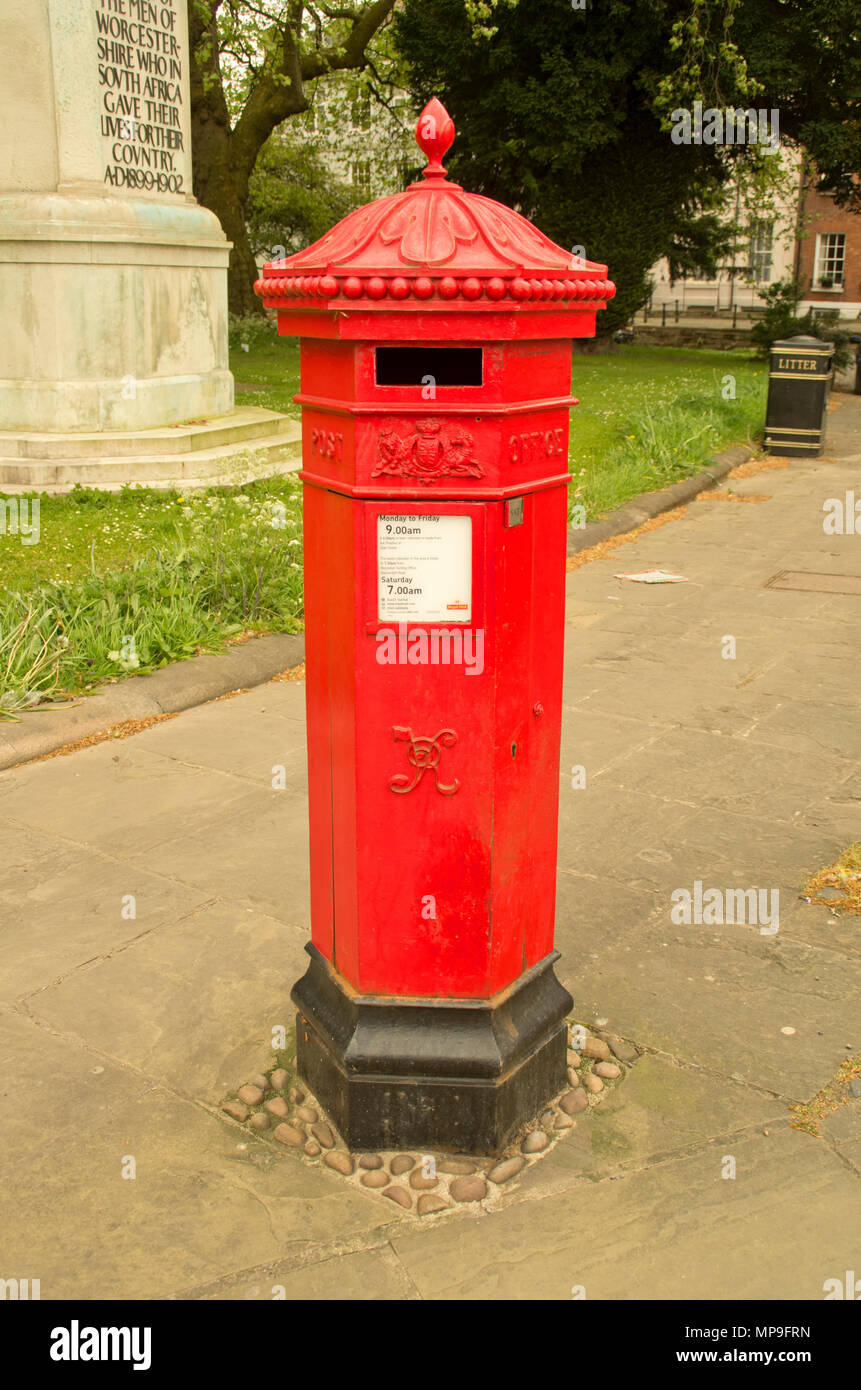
(459,1076)
(115,313)
(230,448)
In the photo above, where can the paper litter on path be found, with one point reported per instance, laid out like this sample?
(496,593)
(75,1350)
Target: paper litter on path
(654,577)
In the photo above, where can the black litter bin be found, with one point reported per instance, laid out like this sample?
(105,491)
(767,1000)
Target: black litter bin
(799,379)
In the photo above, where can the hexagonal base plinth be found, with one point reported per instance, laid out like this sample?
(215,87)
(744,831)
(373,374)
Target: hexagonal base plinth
(449,1074)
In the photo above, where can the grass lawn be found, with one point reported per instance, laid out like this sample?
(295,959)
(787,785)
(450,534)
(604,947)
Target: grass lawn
(273,364)
(120,583)
(649,416)
(88,530)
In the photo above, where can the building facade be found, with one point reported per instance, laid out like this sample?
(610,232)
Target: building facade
(763,252)
(807,238)
(828,259)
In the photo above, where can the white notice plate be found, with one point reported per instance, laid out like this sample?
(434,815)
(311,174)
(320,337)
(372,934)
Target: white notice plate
(424,569)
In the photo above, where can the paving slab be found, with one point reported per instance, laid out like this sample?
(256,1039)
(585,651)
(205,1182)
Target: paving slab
(811,727)
(721,996)
(116,797)
(173,688)
(842,1125)
(254,851)
(367,1276)
(596,740)
(201,999)
(674,842)
(204,1199)
(674,1230)
(661,1110)
(672,703)
(261,745)
(851,1152)
(55,920)
(819,927)
(712,769)
(593,915)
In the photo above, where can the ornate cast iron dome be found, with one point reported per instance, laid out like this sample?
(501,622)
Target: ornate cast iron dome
(433,243)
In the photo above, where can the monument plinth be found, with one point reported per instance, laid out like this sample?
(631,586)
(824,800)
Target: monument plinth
(113,279)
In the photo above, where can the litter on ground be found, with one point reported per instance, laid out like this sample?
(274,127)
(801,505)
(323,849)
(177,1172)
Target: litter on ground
(654,577)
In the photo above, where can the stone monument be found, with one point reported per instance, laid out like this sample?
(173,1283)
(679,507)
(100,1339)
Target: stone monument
(113,279)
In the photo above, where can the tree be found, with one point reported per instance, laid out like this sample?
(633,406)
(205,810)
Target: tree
(356,142)
(293,199)
(253,65)
(566,113)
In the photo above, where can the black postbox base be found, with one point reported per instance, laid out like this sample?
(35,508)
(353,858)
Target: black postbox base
(456,1075)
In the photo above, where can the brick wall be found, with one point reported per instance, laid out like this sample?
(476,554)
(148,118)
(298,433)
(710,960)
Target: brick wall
(821,216)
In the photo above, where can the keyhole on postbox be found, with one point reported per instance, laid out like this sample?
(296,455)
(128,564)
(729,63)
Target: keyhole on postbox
(514,750)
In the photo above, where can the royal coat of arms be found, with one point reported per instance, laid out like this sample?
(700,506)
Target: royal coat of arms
(433,450)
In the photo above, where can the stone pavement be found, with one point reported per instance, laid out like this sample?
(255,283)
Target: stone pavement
(119,1036)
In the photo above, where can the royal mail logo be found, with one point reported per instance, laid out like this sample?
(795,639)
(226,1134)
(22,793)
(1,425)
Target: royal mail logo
(431,451)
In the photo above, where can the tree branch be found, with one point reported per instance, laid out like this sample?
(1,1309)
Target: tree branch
(280,91)
(351,53)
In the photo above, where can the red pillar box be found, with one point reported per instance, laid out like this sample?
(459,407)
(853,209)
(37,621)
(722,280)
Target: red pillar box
(436,332)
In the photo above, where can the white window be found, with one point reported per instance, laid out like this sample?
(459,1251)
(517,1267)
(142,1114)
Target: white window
(760,249)
(361,111)
(830,256)
(360,172)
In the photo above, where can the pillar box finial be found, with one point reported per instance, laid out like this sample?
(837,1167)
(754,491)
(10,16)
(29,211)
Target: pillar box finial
(435,136)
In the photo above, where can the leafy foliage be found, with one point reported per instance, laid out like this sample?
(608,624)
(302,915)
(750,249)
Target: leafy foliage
(247,331)
(781,320)
(293,198)
(565,113)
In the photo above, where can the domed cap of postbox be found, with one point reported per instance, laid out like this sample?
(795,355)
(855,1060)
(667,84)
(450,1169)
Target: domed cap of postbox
(437,247)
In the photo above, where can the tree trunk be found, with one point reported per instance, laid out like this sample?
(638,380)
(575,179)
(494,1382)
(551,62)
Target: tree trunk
(220,178)
(242,273)
(222,189)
